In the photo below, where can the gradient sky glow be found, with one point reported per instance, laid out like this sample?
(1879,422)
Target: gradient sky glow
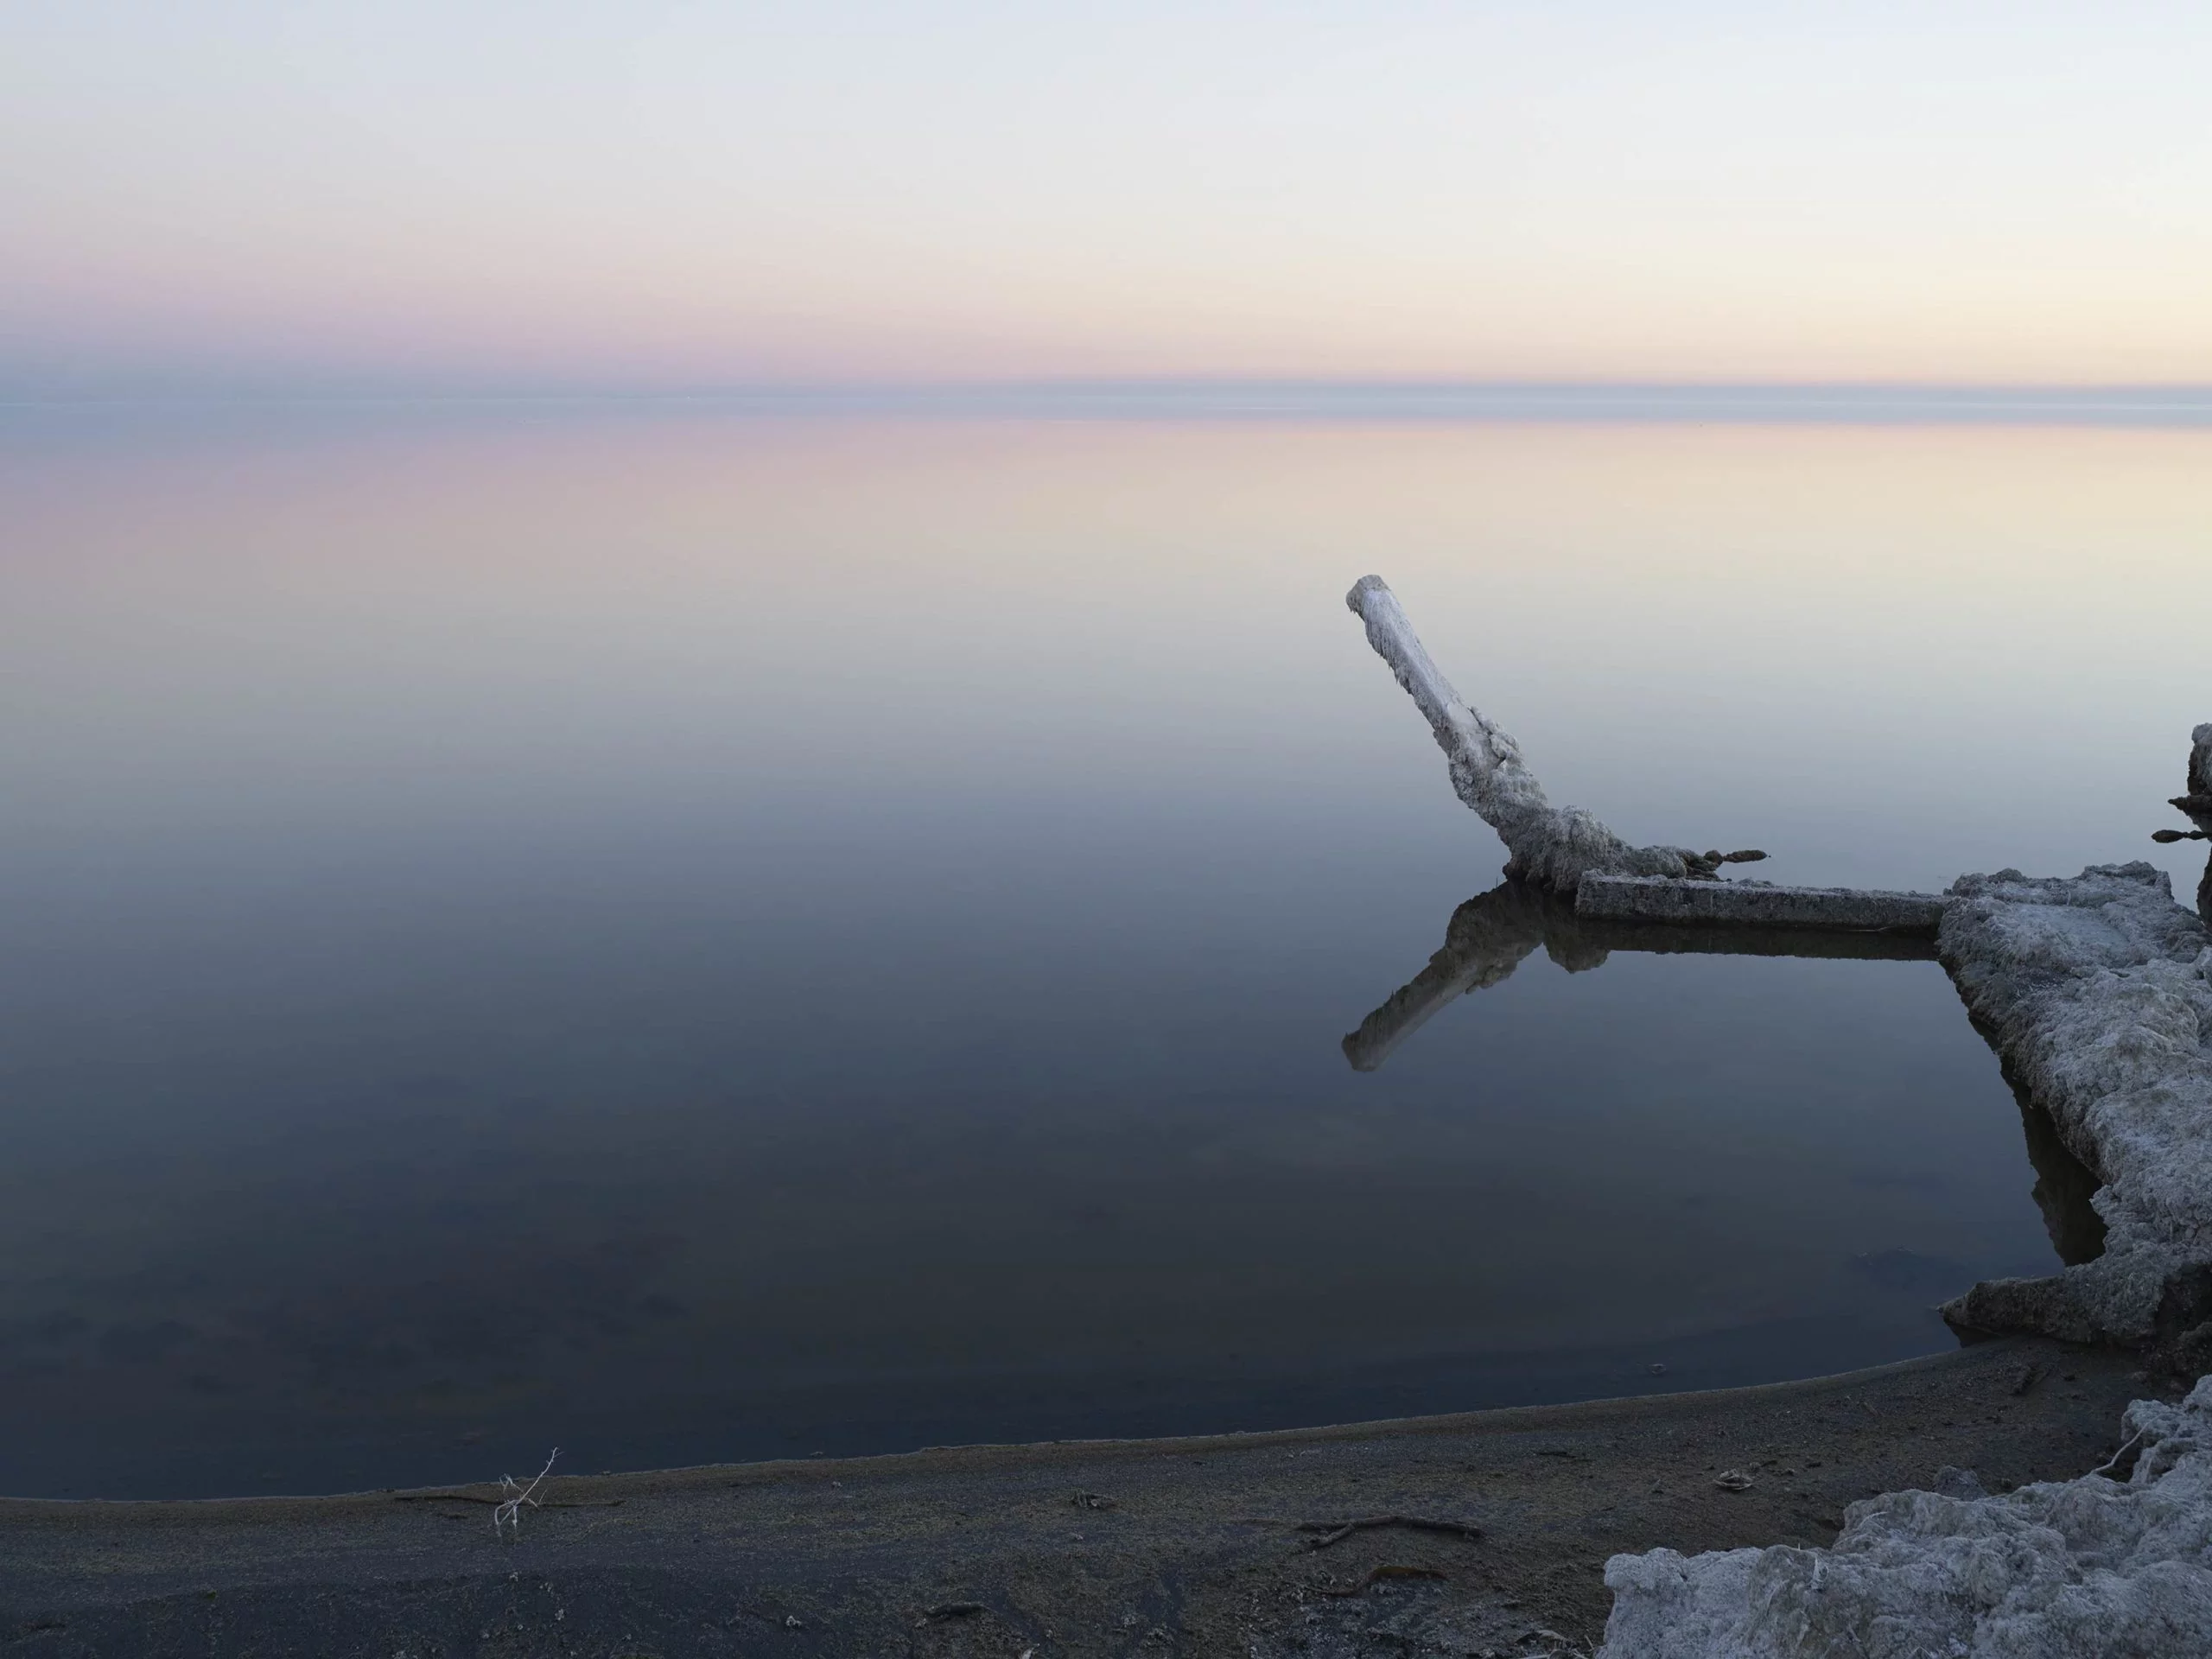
(683,194)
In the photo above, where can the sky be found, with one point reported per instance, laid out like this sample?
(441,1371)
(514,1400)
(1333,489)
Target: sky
(669,194)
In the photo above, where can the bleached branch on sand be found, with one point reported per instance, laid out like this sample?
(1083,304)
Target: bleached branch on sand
(509,1514)
(1552,846)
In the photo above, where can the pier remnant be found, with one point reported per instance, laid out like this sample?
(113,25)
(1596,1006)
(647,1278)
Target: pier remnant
(2096,991)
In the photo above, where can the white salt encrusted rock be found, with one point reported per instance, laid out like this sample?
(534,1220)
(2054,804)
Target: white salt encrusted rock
(2097,993)
(2101,1567)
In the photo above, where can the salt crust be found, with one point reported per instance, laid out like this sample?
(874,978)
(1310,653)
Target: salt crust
(1551,846)
(2096,992)
(2101,1567)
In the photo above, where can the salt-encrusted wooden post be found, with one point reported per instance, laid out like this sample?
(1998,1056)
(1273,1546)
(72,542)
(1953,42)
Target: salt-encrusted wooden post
(2197,801)
(1552,846)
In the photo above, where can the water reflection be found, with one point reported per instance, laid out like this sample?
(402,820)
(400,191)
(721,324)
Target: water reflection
(2063,1186)
(1493,932)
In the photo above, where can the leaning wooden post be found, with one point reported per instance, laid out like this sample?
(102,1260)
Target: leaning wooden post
(1552,846)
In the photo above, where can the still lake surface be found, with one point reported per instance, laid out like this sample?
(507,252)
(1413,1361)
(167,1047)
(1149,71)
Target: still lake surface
(691,936)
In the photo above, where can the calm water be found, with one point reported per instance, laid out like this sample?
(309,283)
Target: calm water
(693,937)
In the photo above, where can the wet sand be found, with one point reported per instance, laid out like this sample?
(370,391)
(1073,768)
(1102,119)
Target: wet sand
(1207,1546)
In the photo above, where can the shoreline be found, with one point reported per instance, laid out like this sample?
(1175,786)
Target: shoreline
(1189,1544)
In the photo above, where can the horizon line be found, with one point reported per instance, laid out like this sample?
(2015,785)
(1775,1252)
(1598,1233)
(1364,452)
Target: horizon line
(1216,398)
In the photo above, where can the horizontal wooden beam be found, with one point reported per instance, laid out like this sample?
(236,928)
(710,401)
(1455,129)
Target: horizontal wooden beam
(1755,904)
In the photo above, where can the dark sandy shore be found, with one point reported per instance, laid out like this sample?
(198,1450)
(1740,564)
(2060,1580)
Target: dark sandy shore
(1124,1547)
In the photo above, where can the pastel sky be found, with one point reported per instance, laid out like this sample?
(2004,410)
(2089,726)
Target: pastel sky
(674,194)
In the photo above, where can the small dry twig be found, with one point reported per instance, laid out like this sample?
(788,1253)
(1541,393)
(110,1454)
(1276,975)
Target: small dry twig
(509,1512)
(2121,1465)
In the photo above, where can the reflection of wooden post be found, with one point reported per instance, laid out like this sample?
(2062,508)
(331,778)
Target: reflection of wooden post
(1486,939)
(1552,846)
(1494,932)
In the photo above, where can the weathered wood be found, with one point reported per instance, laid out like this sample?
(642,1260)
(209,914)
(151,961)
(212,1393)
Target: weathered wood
(1552,846)
(1655,898)
(2197,799)
(2196,802)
